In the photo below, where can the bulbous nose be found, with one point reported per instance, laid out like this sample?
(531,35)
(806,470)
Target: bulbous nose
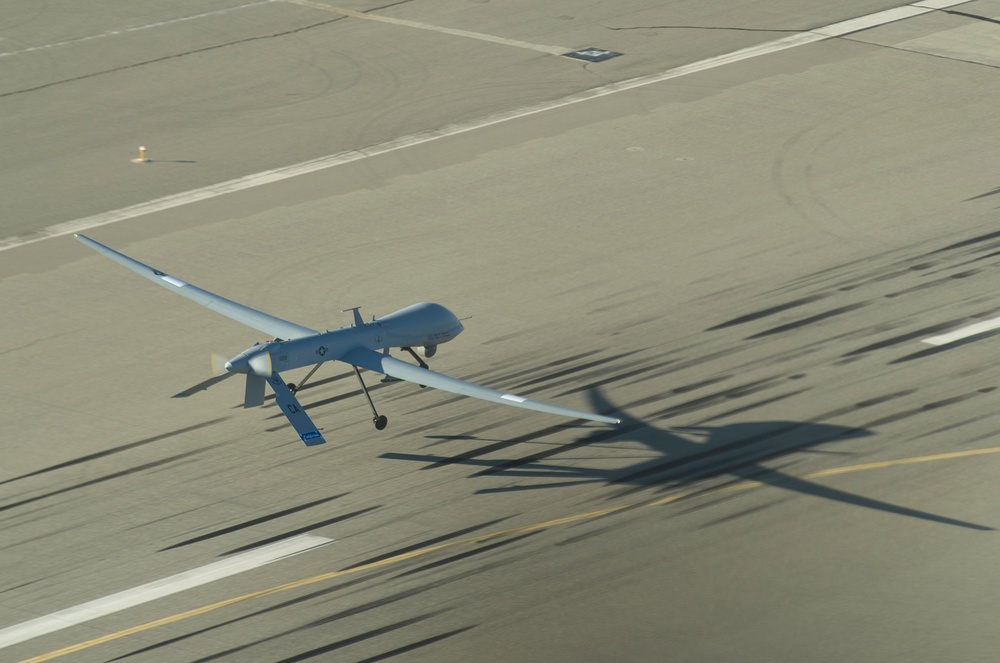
(238,364)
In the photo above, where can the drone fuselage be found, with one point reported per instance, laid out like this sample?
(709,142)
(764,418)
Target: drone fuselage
(426,324)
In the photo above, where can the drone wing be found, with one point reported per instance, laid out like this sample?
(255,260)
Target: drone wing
(383,363)
(275,327)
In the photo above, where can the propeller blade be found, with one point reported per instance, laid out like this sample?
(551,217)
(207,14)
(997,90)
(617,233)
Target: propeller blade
(260,364)
(219,365)
(254,394)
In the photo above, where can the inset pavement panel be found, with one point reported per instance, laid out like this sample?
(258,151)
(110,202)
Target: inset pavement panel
(591,54)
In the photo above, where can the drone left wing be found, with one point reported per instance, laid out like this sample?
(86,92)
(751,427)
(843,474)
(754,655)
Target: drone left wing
(269,324)
(383,363)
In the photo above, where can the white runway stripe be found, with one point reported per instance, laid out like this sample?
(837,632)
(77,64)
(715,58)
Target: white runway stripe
(85,612)
(322,163)
(964,332)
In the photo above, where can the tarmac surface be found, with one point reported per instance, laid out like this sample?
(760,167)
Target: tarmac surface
(742,259)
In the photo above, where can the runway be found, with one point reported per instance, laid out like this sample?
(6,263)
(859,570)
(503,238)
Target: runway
(743,260)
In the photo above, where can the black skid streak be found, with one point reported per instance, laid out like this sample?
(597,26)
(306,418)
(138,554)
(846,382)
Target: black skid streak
(327,648)
(641,365)
(115,450)
(743,319)
(405,594)
(743,409)
(107,477)
(967,242)
(548,377)
(426,543)
(593,438)
(932,284)
(745,512)
(904,338)
(273,608)
(512,375)
(252,522)
(55,532)
(303,530)
(920,354)
(656,370)
(350,612)
(359,638)
(923,409)
(826,315)
(416,645)
(467,554)
(714,399)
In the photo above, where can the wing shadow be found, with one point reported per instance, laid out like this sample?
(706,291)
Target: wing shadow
(737,450)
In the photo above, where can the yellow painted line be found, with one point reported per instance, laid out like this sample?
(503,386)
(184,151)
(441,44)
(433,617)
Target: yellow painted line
(552,50)
(590,515)
(903,461)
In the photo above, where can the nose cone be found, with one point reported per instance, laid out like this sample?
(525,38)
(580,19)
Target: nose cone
(238,364)
(256,361)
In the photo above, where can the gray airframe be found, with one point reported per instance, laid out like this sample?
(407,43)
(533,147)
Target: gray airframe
(362,345)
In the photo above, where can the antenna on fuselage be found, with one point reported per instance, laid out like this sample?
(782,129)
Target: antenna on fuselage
(357,315)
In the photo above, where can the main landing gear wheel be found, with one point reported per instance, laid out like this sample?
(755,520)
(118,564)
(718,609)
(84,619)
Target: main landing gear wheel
(292,388)
(379,420)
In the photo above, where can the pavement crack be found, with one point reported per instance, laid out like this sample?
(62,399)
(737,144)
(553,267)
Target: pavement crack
(977,17)
(927,53)
(168,57)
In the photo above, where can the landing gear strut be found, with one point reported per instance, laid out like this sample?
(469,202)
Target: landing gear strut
(419,361)
(380,421)
(417,357)
(294,388)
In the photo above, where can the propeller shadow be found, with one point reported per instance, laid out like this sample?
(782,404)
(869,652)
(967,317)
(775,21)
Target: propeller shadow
(737,450)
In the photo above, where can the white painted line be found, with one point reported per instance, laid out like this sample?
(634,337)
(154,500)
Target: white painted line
(134,28)
(871,20)
(552,50)
(964,332)
(936,4)
(129,598)
(322,163)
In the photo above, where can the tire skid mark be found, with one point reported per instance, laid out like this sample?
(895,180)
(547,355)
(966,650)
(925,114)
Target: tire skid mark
(303,530)
(425,543)
(923,409)
(598,436)
(107,477)
(417,645)
(254,521)
(743,409)
(272,608)
(929,352)
(905,338)
(768,312)
(467,554)
(797,324)
(340,644)
(715,398)
(109,452)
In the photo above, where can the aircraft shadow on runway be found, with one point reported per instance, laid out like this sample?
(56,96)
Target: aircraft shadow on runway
(737,450)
